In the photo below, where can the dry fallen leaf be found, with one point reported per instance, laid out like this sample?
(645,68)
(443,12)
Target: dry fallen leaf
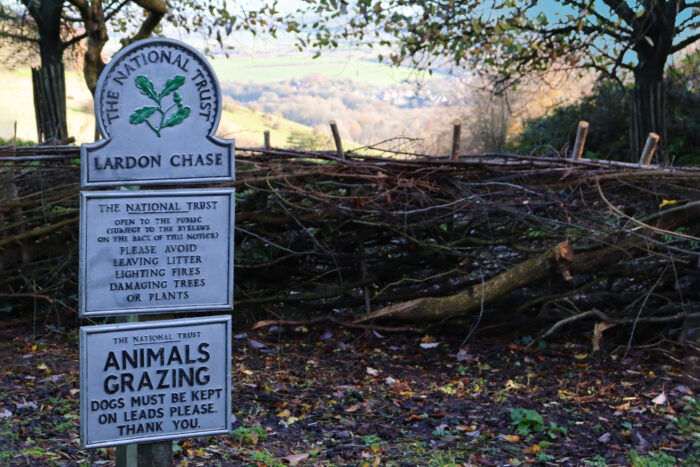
(660,399)
(294,459)
(284,414)
(534,449)
(256,345)
(372,372)
(623,407)
(512,438)
(353,408)
(427,339)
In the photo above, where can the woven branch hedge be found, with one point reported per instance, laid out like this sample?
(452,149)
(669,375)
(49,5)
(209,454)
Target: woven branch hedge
(397,237)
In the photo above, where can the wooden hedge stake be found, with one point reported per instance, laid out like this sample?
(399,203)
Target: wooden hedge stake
(456,136)
(649,148)
(580,141)
(336,138)
(267,139)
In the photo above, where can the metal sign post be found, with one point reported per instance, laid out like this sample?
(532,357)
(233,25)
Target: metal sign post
(143,384)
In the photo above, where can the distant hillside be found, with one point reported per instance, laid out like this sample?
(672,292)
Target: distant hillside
(238,121)
(17,103)
(268,69)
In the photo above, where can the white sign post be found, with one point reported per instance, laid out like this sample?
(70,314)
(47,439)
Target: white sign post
(157,106)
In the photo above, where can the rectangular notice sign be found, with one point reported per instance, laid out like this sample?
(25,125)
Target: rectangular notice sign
(156,251)
(154,381)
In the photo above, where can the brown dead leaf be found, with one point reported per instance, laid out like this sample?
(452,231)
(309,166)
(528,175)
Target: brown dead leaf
(512,438)
(566,252)
(294,459)
(464,428)
(427,339)
(353,408)
(534,449)
(623,407)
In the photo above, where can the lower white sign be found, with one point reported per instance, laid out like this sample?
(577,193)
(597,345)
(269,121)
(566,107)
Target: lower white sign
(157,380)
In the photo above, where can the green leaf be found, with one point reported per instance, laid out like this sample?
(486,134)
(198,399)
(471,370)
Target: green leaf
(146,87)
(178,117)
(172,84)
(140,115)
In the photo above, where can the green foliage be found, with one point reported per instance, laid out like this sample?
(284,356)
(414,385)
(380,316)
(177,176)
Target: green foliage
(528,421)
(510,38)
(19,142)
(373,440)
(265,458)
(307,141)
(250,435)
(607,110)
(655,459)
(597,461)
(688,423)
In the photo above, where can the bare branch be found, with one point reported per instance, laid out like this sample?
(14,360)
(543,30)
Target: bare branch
(685,43)
(156,10)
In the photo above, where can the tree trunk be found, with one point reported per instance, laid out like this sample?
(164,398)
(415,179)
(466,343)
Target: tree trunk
(49,79)
(49,86)
(97,38)
(654,44)
(648,110)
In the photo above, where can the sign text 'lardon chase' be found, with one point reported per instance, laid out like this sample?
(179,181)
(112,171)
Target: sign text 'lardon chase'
(157,104)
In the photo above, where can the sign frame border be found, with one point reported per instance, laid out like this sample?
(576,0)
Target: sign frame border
(85,196)
(104,328)
(229,144)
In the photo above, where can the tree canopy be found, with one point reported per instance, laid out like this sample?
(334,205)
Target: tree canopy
(509,40)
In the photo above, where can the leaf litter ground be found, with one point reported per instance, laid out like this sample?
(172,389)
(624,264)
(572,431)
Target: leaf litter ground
(336,397)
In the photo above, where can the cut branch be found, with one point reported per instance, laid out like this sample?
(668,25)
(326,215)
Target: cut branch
(436,308)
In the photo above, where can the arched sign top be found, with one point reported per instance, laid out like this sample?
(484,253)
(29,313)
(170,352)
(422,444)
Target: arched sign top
(158,105)
(157,83)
